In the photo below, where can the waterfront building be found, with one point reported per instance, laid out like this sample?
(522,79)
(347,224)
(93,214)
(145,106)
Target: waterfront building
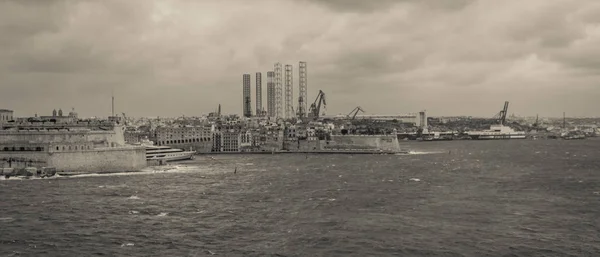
(217,140)
(197,138)
(290,133)
(5,115)
(230,141)
(273,141)
(135,136)
(246,141)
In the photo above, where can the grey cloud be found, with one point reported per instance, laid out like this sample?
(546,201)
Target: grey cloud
(549,26)
(372,63)
(566,36)
(583,59)
(21,20)
(355,5)
(590,14)
(370,6)
(69,59)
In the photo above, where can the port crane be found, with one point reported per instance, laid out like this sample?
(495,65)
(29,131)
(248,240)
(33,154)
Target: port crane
(354,112)
(315,108)
(501,116)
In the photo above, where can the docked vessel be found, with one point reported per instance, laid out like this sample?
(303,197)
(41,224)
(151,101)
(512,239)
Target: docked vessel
(497,132)
(166,153)
(572,136)
(436,136)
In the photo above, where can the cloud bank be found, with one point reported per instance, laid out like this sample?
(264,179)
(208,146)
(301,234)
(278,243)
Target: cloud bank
(171,58)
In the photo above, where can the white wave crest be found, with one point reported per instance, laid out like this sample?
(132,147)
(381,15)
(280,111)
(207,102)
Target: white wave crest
(431,152)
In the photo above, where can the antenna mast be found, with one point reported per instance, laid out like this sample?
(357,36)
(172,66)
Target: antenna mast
(113,103)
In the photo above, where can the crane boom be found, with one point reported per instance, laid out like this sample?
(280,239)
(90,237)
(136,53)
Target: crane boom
(315,108)
(504,112)
(501,116)
(354,112)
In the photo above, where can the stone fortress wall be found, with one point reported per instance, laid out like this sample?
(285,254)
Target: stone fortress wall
(99,160)
(70,149)
(112,137)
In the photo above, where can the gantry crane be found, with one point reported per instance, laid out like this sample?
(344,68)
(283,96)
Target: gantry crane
(315,108)
(501,116)
(354,112)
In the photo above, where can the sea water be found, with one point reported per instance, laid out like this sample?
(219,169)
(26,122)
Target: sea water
(454,198)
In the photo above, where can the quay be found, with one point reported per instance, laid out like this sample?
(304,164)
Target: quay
(358,151)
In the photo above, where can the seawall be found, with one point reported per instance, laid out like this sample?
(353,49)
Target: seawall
(121,159)
(98,160)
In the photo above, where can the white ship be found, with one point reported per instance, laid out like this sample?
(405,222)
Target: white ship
(166,153)
(497,132)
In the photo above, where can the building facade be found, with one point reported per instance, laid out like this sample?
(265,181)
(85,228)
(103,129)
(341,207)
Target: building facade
(230,141)
(198,138)
(135,136)
(6,115)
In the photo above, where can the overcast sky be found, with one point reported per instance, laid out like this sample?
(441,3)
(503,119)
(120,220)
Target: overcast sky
(172,58)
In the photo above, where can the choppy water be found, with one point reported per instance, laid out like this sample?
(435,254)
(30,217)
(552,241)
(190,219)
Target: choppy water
(469,198)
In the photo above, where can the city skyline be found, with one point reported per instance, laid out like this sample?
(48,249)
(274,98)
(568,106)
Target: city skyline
(390,57)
